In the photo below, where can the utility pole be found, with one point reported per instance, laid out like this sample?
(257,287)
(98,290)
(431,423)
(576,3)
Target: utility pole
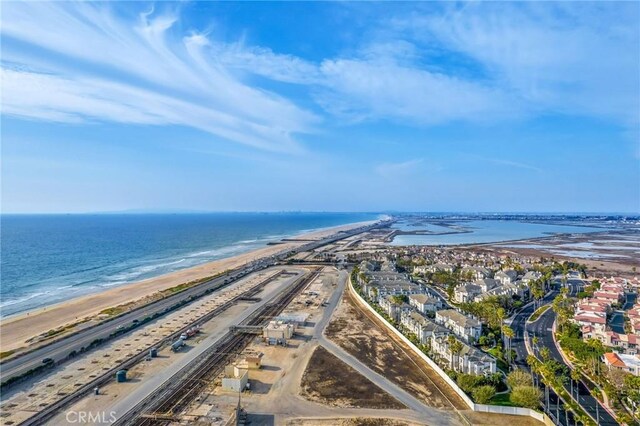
(546,390)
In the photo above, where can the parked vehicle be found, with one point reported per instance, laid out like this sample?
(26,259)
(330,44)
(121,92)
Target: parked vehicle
(175,347)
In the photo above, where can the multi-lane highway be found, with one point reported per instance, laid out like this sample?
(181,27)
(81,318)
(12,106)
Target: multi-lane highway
(60,350)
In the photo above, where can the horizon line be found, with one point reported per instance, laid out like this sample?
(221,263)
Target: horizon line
(467,212)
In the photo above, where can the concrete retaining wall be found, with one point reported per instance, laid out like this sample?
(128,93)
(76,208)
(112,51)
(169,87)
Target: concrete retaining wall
(497,409)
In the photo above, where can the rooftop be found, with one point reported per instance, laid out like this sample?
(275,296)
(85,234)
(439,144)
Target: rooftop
(458,318)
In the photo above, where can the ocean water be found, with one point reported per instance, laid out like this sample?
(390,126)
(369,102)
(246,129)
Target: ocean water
(47,259)
(487,231)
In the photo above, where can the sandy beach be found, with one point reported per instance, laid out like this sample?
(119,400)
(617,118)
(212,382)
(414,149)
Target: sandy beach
(17,329)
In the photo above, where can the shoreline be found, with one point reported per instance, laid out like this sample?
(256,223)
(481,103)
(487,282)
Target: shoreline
(18,328)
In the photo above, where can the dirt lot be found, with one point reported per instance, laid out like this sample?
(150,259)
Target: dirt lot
(360,334)
(488,419)
(360,421)
(329,381)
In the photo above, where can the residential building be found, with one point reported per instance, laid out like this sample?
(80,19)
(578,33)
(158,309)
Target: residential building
(596,320)
(470,360)
(508,276)
(377,290)
(425,303)
(392,307)
(628,363)
(531,276)
(367,266)
(487,284)
(466,293)
(476,272)
(610,296)
(388,266)
(422,327)
(423,269)
(627,342)
(465,327)
(509,290)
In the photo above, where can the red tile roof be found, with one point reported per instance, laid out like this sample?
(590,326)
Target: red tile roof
(614,360)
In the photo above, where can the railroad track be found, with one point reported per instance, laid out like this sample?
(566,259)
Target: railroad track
(47,412)
(170,399)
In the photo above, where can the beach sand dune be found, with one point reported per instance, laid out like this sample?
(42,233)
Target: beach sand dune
(16,330)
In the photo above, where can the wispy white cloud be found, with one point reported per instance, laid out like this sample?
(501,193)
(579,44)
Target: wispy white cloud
(403,168)
(567,57)
(515,164)
(144,68)
(381,82)
(53,98)
(263,61)
(517,61)
(371,90)
(137,70)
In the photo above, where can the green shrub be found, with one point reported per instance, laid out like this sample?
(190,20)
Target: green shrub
(468,382)
(519,378)
(526,396)
(482,394)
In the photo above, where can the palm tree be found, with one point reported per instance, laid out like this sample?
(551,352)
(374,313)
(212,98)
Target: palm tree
(451,341)
(456,348)
(575,375)
(534,365)
(508,333)
(537,291)
(565,271)
(545,354)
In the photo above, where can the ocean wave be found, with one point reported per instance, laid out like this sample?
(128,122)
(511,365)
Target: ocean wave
(125,263)
(162,266)
(11,302)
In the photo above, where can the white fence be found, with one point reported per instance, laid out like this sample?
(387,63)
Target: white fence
(497,409)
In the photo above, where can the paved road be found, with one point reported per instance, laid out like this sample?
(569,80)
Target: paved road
(518,323)
(542,329)
(59,351)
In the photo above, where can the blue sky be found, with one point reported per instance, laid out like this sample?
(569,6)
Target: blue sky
(320,106)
